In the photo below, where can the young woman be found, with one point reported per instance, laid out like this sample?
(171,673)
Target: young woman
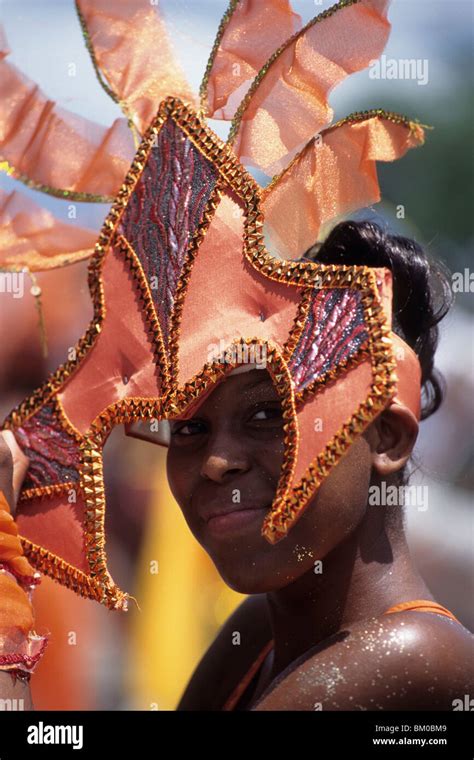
(318,631)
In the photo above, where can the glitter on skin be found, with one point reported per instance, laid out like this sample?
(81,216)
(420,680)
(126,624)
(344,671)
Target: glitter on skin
(329,679)
(302,552)
(324,678)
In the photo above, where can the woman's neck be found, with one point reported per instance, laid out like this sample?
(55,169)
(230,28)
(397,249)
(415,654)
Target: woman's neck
(360,579)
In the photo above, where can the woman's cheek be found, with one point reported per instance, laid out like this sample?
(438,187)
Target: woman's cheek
(338,506)
(178,474)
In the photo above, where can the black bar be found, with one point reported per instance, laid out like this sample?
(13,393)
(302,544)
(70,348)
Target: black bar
(315,735)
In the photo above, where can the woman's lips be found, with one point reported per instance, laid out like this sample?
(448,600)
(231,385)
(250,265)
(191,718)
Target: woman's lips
(233,522)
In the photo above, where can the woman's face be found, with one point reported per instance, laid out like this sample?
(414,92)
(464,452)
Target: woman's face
(228,458)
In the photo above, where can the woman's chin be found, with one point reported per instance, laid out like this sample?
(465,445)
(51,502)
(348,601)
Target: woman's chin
(250,577)
(245,586)
(243,580)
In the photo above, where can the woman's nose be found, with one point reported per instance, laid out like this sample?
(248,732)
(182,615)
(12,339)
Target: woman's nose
(221,467)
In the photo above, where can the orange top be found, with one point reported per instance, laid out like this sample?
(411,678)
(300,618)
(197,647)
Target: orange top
(422,605)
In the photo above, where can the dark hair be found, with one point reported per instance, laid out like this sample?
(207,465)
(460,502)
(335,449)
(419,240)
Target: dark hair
(422,293)
(422,296)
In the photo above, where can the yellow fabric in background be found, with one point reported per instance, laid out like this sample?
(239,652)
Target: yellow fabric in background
(183,605)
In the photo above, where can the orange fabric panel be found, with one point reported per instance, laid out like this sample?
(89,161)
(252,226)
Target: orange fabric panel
(253,32)
(236,306)
(55,147)
(290,103)
(135,55)
(31,236)
(20,647)
(333,175)
(123,350)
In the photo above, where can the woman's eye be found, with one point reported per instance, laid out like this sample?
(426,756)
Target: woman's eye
(267,414)
(188,429)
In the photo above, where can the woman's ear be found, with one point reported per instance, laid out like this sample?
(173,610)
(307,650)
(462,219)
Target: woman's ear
(393,438)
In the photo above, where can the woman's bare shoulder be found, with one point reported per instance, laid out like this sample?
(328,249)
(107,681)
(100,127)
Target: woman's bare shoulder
(237,644)
(404,661)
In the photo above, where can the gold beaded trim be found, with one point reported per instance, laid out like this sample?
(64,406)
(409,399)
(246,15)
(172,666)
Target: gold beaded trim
(298,323)
(61,571)
(56,192)
(352,118)
(92,479)
(288,510)
(41,492)
(331,375)
(184,278)
(235,124)
(174,401)
(381,113)
(203,111)
(64,419)
(101,77)
(147,305)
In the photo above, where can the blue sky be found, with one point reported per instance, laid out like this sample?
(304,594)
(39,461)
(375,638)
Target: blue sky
(45,37)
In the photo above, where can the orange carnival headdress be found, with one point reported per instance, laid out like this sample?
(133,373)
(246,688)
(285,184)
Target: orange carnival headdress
(187,220)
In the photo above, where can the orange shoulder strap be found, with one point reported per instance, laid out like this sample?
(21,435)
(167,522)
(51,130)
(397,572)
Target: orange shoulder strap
(422,605)
(234,698)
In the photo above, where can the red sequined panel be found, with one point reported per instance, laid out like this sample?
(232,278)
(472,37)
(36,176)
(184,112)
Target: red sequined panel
(334,331)
(164,210)
(53,452)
